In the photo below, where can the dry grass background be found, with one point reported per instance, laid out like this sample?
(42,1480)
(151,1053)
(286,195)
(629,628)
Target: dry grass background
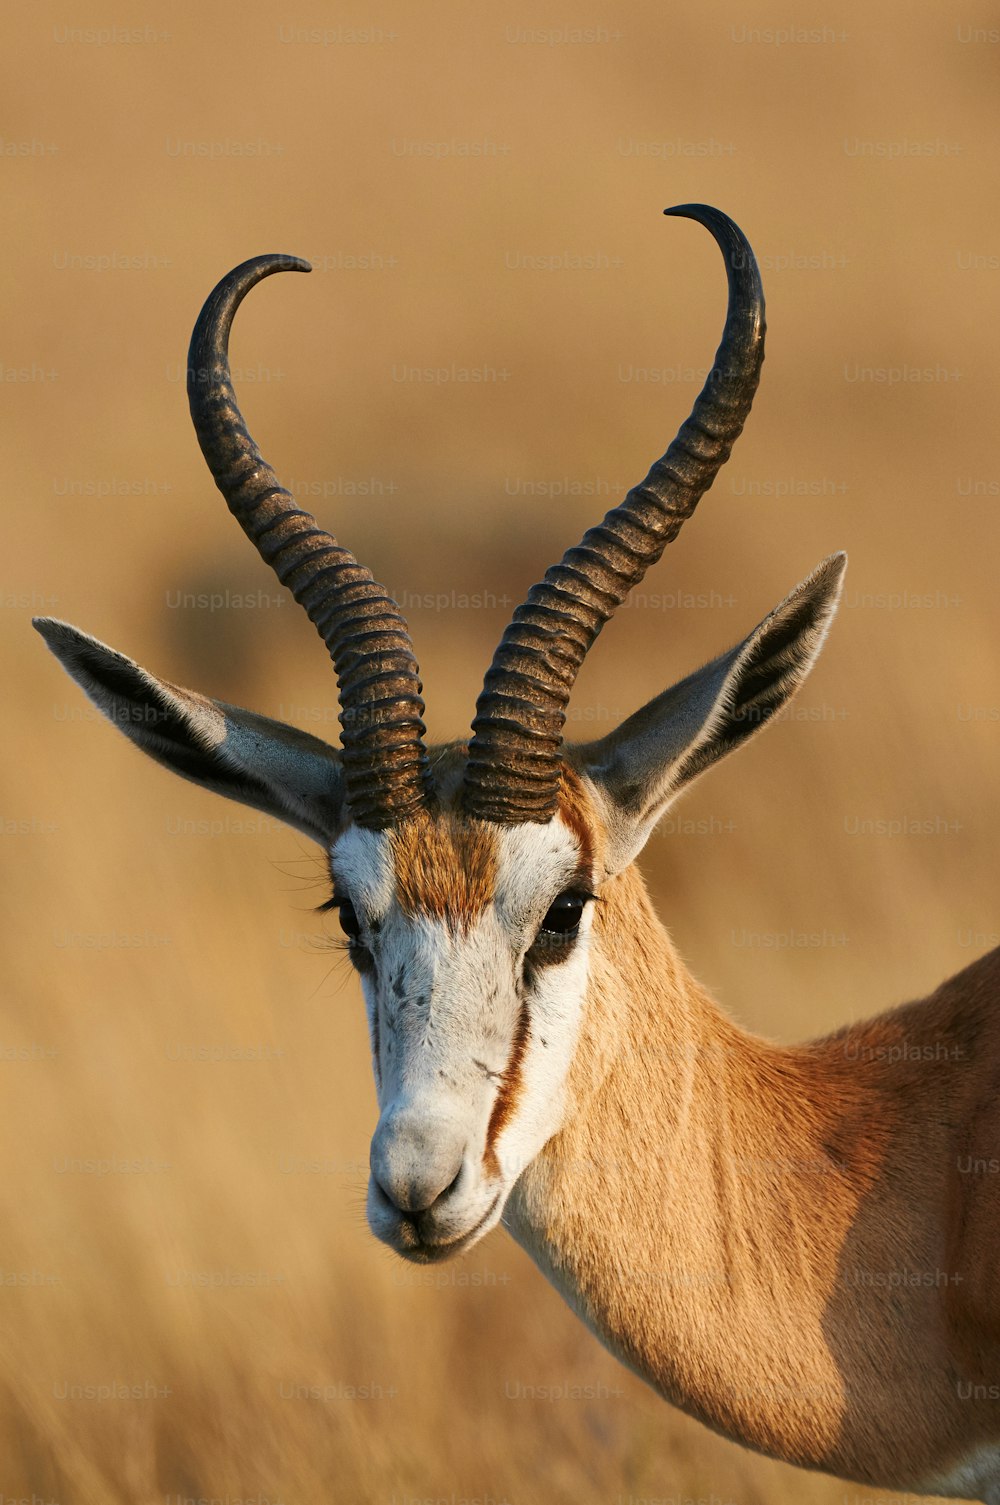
(135,940)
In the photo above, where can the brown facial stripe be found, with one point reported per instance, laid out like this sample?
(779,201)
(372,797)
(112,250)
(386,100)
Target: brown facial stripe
(445,868)
(510,1087)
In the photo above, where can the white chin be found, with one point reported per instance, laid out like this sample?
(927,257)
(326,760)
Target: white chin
(425,1238)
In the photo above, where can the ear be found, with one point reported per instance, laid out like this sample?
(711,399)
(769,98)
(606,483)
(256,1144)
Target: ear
(639,769)
(263,763)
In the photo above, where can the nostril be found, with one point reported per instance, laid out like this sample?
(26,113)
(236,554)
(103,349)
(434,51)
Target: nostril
(424,1191)
(452,1184)
(418,1197)
(383,1189)
(416,1161)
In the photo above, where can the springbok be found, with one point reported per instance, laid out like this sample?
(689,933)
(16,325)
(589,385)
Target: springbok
(790,1243)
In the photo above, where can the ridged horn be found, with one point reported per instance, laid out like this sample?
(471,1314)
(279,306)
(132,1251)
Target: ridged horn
(386,772)
(512,775)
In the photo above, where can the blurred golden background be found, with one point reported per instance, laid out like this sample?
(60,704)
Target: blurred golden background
(184,1065)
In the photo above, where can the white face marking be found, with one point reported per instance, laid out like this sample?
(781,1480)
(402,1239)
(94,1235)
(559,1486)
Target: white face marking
(362,865)
(473,1026)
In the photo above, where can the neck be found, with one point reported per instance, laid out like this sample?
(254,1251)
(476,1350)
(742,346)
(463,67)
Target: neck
(740,1222)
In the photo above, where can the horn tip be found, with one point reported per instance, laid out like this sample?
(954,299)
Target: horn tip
(705,214)
(276,261)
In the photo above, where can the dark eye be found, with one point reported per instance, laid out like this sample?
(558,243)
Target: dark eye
(564,914)
(349,922)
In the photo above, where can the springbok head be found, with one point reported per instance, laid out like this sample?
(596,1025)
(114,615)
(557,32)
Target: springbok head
(466,877)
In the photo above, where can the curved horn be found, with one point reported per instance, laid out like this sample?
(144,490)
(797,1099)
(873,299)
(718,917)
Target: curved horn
(386,773)
(513,770)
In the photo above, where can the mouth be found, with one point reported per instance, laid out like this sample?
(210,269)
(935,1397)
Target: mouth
(402,1233)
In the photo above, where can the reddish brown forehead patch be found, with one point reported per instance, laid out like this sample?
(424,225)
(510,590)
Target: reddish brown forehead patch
(445,867)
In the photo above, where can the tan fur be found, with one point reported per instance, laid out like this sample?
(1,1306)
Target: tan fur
(577,809)
(781,1239)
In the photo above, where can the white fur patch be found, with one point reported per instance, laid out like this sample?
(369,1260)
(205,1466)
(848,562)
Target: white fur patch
(536,864)
(362,867)
(446,1007)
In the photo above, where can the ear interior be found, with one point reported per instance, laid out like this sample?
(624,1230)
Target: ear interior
(641,767)
(769,667)
(253,759)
